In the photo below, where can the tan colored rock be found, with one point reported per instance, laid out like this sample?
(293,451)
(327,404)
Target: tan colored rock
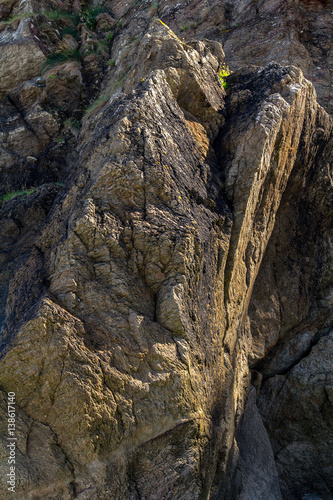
(63,86)
(20,59)
(190,248)
(255,159)
(150,370)
(68,43)
(28,93)
(105,22)
(187,69)
(134,308)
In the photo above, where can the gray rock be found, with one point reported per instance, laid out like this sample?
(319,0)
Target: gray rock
(255,476)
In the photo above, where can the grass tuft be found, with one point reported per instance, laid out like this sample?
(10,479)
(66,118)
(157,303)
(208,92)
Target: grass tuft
(18,17)
(59,57)
(62,18)
(96,106)
(14,194)
(88,16)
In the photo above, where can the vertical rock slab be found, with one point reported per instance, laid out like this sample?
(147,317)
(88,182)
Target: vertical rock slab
(255,476)
(269,110)
(132,259)
(297,410)
(291,320)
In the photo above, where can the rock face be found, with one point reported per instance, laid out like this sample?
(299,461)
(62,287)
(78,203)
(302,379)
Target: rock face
(184,255)
(257,32)
(21,57)
(255,476)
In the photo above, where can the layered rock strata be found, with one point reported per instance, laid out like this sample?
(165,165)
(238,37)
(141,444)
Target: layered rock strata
(187,253)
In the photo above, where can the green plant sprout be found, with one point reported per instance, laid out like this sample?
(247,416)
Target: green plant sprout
(223,74)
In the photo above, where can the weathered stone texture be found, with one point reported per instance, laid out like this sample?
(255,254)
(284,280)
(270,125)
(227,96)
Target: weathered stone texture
(186,254)
(20,57)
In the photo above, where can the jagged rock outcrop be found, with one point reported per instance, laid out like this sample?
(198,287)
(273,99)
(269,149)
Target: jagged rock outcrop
(297,32)
(186,254)
(21,57)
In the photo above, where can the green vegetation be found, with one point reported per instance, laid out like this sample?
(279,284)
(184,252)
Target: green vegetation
(88,16)
(224,29)
(59,57)
(70,30)
(66,20)
(76,25)
(223,74)
(18,17)
(184,28)
(153,11)
(67,23)
(96,105)
(74,124)
(111,62)
(101,101)
(10,196)
(61,17)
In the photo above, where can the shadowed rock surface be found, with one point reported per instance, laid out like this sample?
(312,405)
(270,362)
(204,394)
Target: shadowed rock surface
(176,249)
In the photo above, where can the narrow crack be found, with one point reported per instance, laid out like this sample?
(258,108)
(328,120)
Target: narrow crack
(26,123)
(294,362)
(136,487)
(307,351)
(56,440)
(53,396)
